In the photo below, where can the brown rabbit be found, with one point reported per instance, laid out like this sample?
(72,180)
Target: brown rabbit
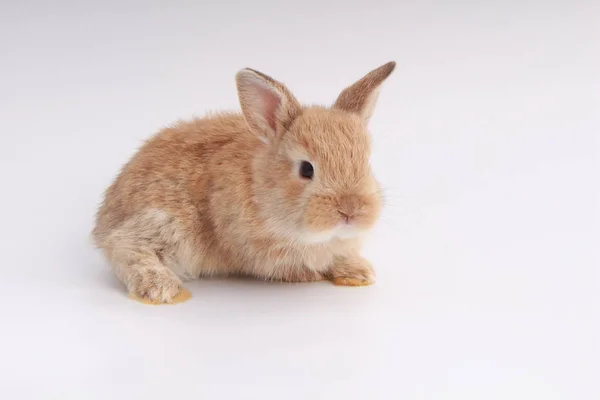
(283,192)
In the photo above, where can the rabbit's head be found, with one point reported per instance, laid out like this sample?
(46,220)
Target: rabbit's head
(312,178)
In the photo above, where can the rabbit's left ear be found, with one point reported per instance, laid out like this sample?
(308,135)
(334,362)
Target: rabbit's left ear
(361,97)
(268,106)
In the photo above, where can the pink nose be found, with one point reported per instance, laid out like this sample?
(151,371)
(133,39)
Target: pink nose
(345,216)
(347,207)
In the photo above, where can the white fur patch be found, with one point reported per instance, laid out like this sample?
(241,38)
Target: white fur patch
(318,237)
(342,231)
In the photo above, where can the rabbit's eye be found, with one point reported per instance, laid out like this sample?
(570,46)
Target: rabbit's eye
(306,170)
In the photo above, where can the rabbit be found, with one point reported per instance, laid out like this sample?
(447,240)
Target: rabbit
(280,192)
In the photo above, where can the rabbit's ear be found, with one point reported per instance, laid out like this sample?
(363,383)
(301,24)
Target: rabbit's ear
(268,106)
(361,97)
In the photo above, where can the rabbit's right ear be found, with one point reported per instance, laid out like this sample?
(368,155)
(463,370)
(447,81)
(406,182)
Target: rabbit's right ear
(267,105)
(360,98)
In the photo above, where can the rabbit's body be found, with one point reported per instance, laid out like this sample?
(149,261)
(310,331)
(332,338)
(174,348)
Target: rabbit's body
(212,197)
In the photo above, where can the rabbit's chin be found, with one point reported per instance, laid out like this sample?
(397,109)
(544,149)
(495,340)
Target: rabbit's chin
(340,232)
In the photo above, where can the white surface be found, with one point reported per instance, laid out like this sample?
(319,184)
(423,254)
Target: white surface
(486,138)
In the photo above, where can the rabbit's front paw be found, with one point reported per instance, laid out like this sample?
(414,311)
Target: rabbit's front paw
(352,271)
(156,285)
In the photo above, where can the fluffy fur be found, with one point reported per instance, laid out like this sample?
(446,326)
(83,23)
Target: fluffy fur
(223,195)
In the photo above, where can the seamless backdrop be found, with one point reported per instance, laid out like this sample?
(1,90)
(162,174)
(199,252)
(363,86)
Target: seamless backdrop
(486,139)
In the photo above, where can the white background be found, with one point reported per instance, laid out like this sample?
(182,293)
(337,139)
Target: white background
(486,140)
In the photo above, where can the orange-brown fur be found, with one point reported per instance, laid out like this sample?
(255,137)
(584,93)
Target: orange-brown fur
(222,195)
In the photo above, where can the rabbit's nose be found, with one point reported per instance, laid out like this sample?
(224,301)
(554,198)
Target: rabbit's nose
(348,206)
(345,216)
